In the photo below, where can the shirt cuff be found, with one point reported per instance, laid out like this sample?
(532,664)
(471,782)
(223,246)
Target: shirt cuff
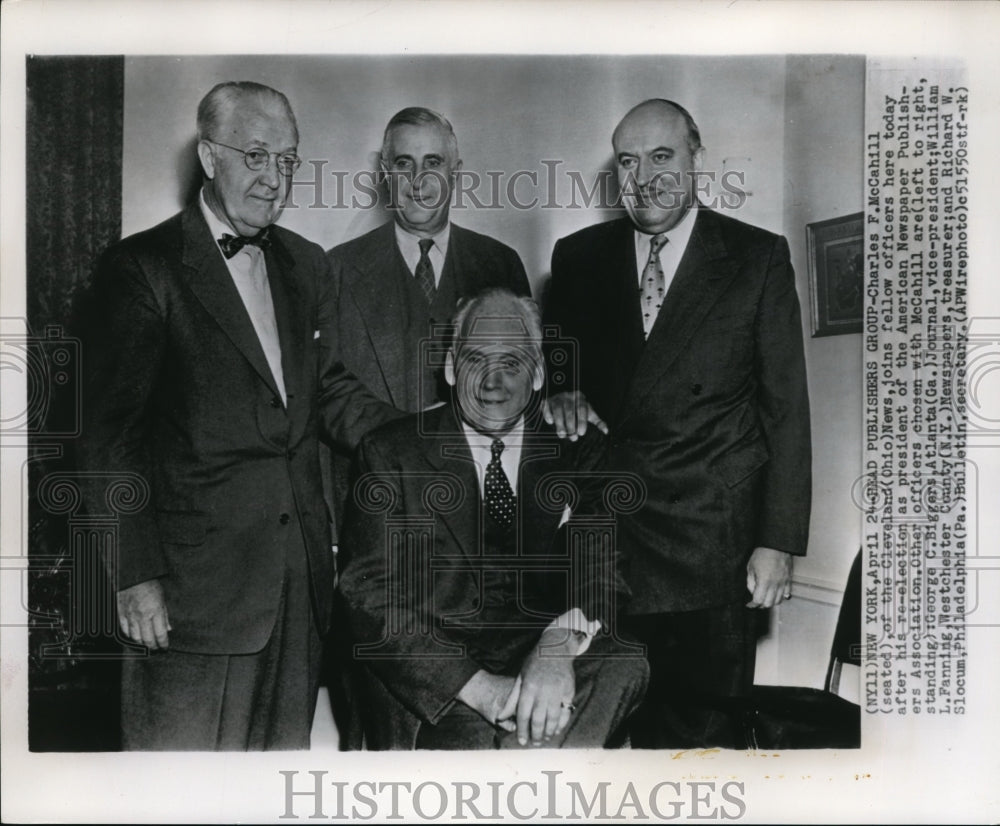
(579,629)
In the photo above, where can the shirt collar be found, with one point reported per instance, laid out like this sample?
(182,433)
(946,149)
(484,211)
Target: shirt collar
(678,235)
(217,227)
(512,439)
(411,243)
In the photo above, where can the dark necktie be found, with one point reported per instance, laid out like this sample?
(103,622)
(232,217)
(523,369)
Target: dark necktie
(232,244)
(654,284)
(500,501)
(425,269)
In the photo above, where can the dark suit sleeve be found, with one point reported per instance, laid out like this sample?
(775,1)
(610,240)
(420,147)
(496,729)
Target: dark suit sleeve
(516,276)
(123,350)
(560,312)
(408,661)
(348,410)
(783,408)
(600,592)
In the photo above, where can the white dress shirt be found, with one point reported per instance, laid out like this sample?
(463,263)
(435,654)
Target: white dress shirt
(249,273)
(481,446)
(409,247)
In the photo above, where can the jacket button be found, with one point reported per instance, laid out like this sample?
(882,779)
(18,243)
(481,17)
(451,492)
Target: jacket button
(696,389)
(275,402)
(284,519)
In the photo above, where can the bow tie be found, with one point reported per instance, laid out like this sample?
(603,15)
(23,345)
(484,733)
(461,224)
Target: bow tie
(232,244)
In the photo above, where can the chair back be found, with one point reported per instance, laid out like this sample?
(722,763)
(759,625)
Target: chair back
(846,646)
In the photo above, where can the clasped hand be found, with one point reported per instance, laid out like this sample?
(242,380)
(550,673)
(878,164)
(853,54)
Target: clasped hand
(537,704)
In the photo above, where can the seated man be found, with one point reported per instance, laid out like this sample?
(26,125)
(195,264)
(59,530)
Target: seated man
(484,618)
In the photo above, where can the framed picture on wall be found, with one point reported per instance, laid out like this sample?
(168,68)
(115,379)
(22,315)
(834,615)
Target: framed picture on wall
(836,274)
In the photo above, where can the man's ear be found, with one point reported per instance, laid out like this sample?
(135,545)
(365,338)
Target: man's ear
(453,179)
(449,368)
(207,157)
(538,379)
(699,159)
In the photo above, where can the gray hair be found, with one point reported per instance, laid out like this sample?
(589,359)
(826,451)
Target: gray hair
(223,98)
(418,116)
(522,307)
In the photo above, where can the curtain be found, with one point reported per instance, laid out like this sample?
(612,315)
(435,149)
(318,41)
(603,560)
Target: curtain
(74,176)
(74,198)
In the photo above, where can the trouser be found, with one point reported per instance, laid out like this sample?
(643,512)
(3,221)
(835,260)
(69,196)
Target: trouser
(701,674)
(179,701)
(610,682)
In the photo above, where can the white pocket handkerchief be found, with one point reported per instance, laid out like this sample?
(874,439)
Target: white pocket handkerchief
(565,517)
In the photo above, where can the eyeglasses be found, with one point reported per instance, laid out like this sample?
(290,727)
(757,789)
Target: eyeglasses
(257,159)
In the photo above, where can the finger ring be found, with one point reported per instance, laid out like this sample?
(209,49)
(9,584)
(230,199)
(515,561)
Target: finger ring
(568,706)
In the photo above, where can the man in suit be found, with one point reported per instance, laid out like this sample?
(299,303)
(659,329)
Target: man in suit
(690,348)
(477,629)
(397,282)
(202,357)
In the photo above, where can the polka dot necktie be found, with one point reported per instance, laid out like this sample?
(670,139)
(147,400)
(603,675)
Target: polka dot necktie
(654,284)
(425,269)
(500,502)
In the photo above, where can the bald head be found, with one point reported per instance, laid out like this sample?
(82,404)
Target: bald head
(658,154)
(660,109)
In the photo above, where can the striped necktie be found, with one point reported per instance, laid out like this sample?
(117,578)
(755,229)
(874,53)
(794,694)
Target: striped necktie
(425,269)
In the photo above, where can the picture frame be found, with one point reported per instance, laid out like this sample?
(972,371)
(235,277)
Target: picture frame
(836,275)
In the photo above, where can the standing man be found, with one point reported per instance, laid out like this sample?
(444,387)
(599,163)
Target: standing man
(474,612)
(690,348)
(201,378)
(397,282)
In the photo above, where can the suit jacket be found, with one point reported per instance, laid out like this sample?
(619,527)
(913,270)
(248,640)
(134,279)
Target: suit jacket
(711,411)
(368,276)
(403,475)
(371,304)
(178,392)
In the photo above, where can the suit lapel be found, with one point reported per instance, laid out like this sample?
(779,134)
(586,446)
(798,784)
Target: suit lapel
(211,282)
(704,273)
(453,267)
(292,333)
(449,453)
(617,292)
(468,274)
(628,341)
(375,288)
(541,454)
